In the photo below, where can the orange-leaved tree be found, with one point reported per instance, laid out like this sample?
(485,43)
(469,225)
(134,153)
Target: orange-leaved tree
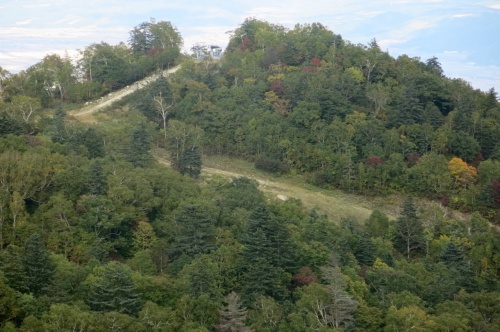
(463,173)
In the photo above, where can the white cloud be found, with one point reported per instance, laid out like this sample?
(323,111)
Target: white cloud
(480,77)
(37,5)
(385,43)
(21,60)
(97,33)
(212,35)
(25,21)
(462,15)
(69,19)
(495,6)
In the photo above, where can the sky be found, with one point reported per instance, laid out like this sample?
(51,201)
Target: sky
(463,35)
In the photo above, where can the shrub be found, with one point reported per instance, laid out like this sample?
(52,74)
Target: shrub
(271,165)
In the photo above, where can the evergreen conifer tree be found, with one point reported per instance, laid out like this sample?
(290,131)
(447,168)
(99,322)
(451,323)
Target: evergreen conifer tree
(233,316)
(452,254)
(10,126)
(59,134)
(409,231)
(408,108)
(94,143)
(365,251)
(190,163)
(12,266)
(37,264)
(196,234)
(115,291)
(461,273)
(97,182)
(138,149)
(263,257)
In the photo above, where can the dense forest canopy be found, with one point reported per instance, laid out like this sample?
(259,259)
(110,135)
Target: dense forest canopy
(96,235)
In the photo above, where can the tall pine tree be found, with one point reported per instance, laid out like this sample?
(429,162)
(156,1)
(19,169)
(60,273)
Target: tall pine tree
(408,237)
(115,291)
(93,141)
(138,150)
(263,257)
(196,233)
(11,264)
(59,134)
(190,163)
(97,182)
(37,264)
(233,316)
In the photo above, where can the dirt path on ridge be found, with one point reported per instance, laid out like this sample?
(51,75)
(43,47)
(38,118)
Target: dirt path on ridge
(110,98)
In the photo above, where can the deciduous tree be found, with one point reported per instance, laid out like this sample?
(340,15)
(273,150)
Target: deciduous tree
(464,174)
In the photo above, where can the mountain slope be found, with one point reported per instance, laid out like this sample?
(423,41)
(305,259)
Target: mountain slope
(103,102)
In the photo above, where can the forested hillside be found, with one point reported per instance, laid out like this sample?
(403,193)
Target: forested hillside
(95,235)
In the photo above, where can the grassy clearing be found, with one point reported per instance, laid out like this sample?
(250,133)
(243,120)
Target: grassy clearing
(334,203)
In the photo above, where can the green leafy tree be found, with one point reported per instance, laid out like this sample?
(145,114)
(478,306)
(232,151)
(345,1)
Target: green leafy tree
(411,318)
(143,263)
(157,318)
(144,236)
(106,64)
(65,317)
(484,303)
(377,225)
(266,314)
(431,175)
(241,192)
(52,76)
(328,306)
(25,109)
(183,142)
(198,313)
(369,319)
(464,146)
(68,277)
(151,38)
(202,277)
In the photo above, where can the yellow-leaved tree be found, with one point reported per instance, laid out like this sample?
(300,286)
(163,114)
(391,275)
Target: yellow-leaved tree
(463,173)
